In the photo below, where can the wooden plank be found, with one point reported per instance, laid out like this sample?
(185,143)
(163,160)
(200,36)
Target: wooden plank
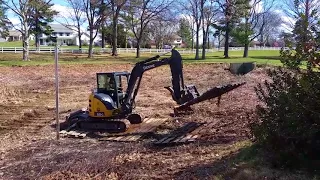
(118,138)
(145,125)
(185,139)
(127,138)
(179,139)
(150,126)
(110,138)
(169,139)
(135,138)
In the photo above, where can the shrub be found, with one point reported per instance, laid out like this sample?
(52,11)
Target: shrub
(289,123)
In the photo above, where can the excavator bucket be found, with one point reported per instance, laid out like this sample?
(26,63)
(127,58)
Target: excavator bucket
(241,68)
(210,94)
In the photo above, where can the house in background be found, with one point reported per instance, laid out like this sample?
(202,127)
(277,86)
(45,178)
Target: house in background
(65,36)
(14,35)
(177,42)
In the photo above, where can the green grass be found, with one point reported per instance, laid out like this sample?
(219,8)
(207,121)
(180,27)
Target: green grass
(260,57)
(267,57)
(14,44)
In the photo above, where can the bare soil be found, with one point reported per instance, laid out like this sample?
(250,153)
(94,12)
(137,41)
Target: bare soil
(28,149)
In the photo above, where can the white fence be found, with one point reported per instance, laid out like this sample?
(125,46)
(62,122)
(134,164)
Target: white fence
(122,50)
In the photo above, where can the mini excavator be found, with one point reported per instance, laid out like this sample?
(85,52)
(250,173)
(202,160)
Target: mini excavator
(111,105)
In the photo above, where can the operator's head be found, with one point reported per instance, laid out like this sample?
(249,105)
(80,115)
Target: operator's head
(111,81)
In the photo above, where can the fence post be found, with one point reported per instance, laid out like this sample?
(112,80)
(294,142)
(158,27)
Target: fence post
(15,50)
(2,49)
(56,52)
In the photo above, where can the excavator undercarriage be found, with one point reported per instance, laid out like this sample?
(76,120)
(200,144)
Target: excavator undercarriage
(111,107)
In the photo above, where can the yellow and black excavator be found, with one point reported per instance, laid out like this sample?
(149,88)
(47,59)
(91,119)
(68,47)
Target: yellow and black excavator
(111,105)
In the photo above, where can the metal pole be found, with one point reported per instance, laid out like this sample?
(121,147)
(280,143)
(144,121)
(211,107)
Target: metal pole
(56,52)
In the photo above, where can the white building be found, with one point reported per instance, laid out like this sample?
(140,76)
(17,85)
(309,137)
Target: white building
(14,35)
(65,36)
(177,41)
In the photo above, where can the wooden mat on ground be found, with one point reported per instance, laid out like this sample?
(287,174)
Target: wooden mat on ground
(136,131)
(180,135)
(190,132)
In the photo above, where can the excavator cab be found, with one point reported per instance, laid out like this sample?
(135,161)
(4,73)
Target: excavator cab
(113,84)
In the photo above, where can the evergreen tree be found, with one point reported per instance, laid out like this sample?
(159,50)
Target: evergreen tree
(232,10)
(42,15)
(185,32)
(5,24)
(121,35)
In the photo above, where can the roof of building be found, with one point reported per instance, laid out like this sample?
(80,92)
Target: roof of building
(176,36)
(14,33)
(60,28)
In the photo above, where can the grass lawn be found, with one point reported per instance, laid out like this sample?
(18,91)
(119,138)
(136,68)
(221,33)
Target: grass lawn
(259,56)
(15,44)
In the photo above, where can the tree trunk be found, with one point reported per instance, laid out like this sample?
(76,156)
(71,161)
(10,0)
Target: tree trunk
(208,45)
(261,40)
(204,45)
(115,37)
(103,35)
(90,52)
(36,33)
(246,49)
(197,42)
(226,43)
(37,42)
(25,47)
(138,49)
(79,34)
(25,37)
(79,39)
(192,42)
(219,42)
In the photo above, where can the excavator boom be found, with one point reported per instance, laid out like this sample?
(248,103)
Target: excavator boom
(175,63)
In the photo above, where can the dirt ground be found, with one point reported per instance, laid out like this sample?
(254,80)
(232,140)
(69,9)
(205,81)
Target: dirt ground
(28,149)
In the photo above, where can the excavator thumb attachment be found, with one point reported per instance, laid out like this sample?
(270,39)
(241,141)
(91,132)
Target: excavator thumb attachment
(210,94)
(187,94)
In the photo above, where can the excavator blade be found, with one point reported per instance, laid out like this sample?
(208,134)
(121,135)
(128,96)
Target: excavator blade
(210,94)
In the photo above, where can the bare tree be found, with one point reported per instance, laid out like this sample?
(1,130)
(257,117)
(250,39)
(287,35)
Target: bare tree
(269,24)
(75,18)
(162,31)
(195,9)
(141,12)
(209,17)
(116,6)
(95,11)
(22,9)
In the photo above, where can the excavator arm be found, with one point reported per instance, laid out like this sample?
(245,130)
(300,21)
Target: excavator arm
(175,62)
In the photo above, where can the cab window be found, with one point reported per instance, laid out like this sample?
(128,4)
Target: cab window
(106,82)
